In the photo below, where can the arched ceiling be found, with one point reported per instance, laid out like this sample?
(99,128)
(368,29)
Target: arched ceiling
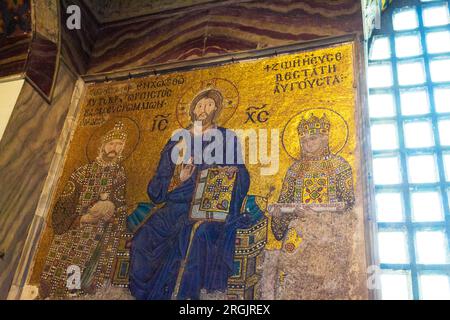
(113,10)
(15,18)
(29,42)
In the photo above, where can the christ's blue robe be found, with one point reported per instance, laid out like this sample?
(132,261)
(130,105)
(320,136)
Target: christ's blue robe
(160,245)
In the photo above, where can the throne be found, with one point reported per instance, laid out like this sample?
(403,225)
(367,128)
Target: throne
(249,244)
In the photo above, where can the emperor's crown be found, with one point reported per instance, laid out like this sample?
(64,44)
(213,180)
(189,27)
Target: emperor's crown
(116,133)
(314,125)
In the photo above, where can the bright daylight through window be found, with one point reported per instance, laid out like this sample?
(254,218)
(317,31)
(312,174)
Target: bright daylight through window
(409,107)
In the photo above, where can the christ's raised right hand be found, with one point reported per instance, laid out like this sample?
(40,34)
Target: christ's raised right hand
(187,170)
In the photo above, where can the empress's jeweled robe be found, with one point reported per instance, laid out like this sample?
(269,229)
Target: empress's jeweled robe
(319,262)
(92,247)
(318,181)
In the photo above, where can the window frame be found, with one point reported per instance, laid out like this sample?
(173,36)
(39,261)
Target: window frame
(405,188)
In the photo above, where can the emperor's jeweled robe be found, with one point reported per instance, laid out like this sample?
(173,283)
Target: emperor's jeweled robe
(92,247)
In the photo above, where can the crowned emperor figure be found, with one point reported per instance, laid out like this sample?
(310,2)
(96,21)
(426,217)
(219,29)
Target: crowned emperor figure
(87,221)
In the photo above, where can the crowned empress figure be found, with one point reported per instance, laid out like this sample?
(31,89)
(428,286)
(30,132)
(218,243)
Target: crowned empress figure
(318,177)
(313,219)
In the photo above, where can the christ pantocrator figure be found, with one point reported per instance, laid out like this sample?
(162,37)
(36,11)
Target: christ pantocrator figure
(186,248)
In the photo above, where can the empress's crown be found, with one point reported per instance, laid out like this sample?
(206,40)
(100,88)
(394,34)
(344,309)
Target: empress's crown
(117,132)
(314,125)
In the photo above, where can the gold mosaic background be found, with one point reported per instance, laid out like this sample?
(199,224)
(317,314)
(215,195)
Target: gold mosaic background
(325,87)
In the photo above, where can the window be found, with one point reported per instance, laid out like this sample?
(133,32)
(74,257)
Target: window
(409,109)
(9,92)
